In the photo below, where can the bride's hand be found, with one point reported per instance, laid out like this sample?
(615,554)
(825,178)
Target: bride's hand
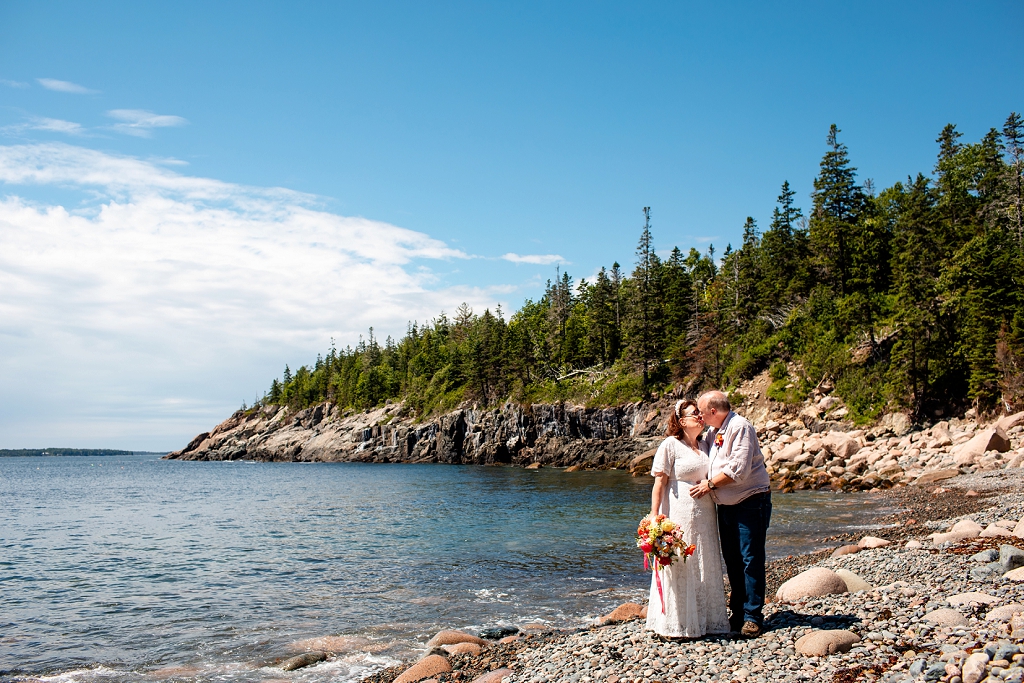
(699,490)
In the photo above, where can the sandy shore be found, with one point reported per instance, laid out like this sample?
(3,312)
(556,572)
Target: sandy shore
(909,624)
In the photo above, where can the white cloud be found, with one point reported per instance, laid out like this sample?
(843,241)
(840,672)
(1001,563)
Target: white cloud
(140,122)
(13,84)
(536,259)
(65,86)
(148,314)
(46,124)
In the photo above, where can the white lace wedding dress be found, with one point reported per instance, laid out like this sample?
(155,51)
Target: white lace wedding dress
(694,590)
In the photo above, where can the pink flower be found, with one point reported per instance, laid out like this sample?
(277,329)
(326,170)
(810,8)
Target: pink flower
(646,547)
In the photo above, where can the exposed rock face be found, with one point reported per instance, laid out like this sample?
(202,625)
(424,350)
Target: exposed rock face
(558,435)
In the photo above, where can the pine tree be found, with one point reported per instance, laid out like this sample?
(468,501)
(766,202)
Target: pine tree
(645,323)
(838,202)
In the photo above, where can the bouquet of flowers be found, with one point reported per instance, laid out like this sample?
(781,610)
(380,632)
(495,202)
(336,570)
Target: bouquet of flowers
(662,543)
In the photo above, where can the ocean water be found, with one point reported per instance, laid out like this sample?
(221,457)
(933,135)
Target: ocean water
(136,569)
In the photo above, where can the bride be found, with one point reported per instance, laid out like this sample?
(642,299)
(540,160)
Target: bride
(694,590)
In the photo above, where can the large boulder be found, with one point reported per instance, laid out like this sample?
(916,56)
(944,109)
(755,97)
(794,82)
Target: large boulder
(641,464)
(992,439)
(965,528)
(812,583)
(898,423)
(841,445)
(822,643)
(627,611)
(961,599)
(790,453)
(870,542)
(428,667)
(1018,530)
(1008,422)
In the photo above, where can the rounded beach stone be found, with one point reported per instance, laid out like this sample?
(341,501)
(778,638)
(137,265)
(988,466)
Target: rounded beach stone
(493,676)
(913,544)
(462,649)
(303,660)
(936,475)
(994,531)
(1005,612)
(853,582)
(453,637)
(1018,530)
(972,596)
(814,582)
(624,612)
(821,643)
(946,617)
(428,667)
(1015,575)
(872,542)
(846,550)
(974,667)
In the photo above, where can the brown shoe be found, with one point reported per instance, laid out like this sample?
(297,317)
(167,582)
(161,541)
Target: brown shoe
(750,630)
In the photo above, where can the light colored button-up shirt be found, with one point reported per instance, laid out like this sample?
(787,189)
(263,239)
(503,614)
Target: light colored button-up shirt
(738,456)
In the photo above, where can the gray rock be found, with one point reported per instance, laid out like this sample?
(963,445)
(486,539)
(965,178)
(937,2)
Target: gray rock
(990,555)
(303,660)
(935,671)
(1010,557)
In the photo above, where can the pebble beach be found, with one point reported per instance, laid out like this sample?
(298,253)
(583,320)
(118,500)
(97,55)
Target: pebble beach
(935,594)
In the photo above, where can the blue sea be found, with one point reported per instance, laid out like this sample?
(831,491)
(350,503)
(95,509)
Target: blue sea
(137,569)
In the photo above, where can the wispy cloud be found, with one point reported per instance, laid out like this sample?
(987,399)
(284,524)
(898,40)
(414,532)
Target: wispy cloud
(140,122)
(13,84)
(46,124)
(167,286)
(536,259)
(65,86)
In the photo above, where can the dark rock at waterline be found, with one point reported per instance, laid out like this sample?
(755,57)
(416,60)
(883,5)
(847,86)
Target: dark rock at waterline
(498,632)
(558,435)
(303,660)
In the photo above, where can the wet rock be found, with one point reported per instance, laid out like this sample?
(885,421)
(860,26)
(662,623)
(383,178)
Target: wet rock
(627,611)
(303,660)
(822,643)
(453,637)
(498,632)
(462,649)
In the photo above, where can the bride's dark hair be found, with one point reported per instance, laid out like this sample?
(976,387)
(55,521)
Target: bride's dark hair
(675,427)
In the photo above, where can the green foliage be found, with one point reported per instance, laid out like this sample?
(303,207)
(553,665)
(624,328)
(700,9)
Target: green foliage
(911,298)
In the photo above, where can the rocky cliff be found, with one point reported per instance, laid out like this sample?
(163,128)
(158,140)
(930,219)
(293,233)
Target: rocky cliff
(557,435)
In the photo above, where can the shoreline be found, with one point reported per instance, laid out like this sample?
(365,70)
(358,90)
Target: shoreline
(895,642)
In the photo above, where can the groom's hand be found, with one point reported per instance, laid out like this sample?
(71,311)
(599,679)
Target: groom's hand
(699,490)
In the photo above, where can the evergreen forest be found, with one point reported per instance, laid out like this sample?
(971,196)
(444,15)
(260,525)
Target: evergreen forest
(907,298)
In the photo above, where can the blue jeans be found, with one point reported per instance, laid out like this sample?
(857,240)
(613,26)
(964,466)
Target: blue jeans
(743,528)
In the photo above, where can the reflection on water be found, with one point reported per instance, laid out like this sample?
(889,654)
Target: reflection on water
(137,569)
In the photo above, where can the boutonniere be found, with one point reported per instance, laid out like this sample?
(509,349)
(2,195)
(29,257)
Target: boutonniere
(719,440)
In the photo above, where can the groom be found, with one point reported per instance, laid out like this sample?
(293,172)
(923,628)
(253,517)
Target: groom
(738,483)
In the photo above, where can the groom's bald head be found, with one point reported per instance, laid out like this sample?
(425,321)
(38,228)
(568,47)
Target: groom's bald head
(715,407)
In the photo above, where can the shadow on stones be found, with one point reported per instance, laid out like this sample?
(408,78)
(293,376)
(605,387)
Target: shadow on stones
(825,622)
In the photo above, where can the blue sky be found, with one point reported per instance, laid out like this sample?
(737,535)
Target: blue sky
(155,279)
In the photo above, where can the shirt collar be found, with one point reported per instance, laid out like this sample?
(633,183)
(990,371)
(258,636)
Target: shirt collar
(725,423)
